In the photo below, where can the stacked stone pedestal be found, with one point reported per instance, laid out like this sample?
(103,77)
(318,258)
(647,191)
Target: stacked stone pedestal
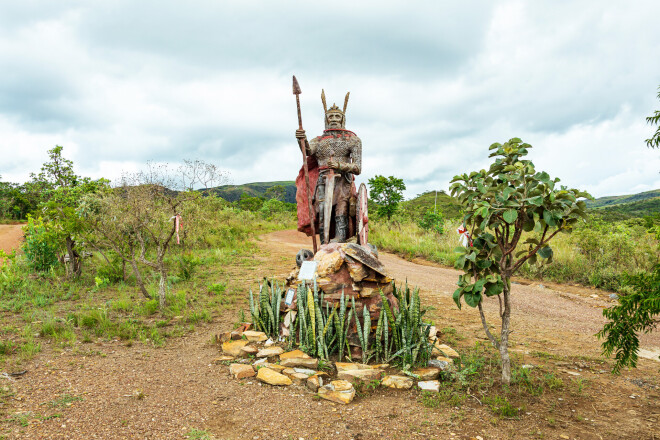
(356,272)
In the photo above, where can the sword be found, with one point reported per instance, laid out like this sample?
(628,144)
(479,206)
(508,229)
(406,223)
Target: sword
(327,204)
(297,92)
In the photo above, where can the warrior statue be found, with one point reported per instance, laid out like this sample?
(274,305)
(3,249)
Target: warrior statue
(333,159)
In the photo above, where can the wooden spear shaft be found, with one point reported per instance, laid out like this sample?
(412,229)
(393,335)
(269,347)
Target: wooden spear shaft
(303,148)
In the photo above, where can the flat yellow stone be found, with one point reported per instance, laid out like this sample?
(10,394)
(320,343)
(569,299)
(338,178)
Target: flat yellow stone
(428,373)
(294,354)
(253,336)
(328,263)
(363,375)
(345,366)
(271,377)
(445,350)
(338,391)
(397,382)
(233,348)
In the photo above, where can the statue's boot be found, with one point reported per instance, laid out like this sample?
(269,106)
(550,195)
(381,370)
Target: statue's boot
(341,229)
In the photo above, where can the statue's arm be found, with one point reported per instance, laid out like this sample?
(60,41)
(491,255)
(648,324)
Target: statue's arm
(355,166)
(311,149)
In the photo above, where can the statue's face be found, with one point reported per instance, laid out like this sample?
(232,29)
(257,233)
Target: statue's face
(334,120)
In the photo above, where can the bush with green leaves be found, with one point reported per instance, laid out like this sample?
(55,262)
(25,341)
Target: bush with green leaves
(432,221)
(637,312)
(41,244)
(502,203)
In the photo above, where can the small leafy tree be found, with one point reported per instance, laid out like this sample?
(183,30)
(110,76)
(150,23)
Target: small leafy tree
(387,192)
(502,203)
(61,191)
(432,221)
(654,141)
(637,312)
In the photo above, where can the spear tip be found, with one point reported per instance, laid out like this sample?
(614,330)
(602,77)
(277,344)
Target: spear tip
(296,86)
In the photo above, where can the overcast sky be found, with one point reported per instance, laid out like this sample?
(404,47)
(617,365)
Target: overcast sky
(433,84)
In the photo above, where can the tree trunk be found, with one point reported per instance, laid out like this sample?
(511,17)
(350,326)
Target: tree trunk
(504,339)
(74,258)
(162,286)
(138,279)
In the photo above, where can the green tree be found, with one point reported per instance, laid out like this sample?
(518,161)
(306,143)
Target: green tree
(654,141)
(275,192)
(637,312)
(61,192)
(501,203)
(387,192)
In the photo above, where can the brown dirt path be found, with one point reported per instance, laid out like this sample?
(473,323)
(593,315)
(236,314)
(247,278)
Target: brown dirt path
(10,237)
(183,389)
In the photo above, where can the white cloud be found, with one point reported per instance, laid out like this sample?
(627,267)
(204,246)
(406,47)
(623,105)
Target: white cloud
(432,86)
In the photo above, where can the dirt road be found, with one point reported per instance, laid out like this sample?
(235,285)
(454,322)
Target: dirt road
(10,237)
(546,316)
(116,391)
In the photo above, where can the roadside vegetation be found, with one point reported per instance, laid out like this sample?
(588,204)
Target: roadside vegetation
(598,253)
(90,271)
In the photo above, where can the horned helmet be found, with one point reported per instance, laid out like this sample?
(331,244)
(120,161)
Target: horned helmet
(334,111)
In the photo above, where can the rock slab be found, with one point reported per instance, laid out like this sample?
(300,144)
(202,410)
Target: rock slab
(272,377)
(270,352)
(363,375)
(429,385)
(339,391)
(240,371)
(397,382)
(233,348)
(299,362)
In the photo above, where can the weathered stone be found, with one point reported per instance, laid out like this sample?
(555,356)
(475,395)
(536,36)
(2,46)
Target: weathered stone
(288,371)
(240,371)
(338,391)
(249,350)
(271,377)
(363,375)
(223,358)
(236,334)
(365,256)
(254,336)
(444,350)
(223,337)
(270,352)
(314,383)
(428,373)
(294,354)
(442,363)
(299,378)
(397,382)
(233,348)
(381,366)
(343,366)
(429,385)
(433,333)
(357,270)
(328,262)
(275,367)
(263,362)
(306,371)
(300,362)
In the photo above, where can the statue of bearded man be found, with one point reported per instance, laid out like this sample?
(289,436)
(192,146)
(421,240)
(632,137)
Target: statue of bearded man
(337,152)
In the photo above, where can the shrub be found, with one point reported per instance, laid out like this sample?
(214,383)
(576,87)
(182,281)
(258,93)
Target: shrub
(432,221)
(40,245)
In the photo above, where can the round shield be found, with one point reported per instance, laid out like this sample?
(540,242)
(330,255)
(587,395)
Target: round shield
(362,216)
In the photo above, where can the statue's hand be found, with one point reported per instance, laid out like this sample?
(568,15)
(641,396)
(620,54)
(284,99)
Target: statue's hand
(333,164)
(300,134)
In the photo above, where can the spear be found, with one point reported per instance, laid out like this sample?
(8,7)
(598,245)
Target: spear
(303,148)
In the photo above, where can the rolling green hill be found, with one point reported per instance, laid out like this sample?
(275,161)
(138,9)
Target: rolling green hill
(231,193)
(449,206)
(618,200)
